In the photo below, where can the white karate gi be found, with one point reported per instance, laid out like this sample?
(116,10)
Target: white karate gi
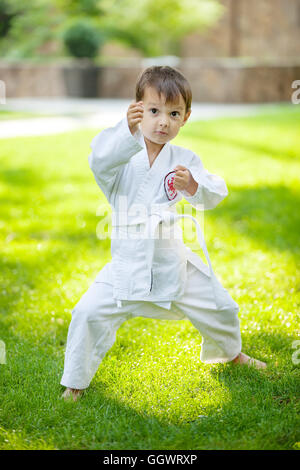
(149,275)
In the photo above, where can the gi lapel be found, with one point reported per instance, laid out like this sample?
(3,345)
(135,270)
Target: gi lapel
(154,176)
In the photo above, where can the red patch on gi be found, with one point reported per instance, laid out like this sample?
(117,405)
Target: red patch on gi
(168,185)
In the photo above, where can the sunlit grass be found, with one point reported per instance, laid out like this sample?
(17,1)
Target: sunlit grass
(151,390)
(6,115)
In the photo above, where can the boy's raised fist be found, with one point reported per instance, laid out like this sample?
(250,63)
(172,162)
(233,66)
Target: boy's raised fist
(135,115)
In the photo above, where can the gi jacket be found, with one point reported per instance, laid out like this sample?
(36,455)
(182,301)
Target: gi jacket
(146,265)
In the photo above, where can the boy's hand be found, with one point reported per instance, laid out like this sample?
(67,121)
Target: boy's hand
(135,115)
(184,181)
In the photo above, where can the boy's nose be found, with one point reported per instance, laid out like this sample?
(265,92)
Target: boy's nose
(164,122)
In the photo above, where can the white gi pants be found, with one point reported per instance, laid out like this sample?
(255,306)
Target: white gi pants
(96,319)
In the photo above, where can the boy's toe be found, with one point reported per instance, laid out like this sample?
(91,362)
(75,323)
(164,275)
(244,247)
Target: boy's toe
(249,361)
(256,363)
(260,364)
(71,394)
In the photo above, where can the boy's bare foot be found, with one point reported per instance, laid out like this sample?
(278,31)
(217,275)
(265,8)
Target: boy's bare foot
(249,361)
(71,393)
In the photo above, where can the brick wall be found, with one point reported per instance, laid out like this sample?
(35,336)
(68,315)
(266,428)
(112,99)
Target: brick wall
(250,28)
(212,80)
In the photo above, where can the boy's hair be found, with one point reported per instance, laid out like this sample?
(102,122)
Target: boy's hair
(167,81)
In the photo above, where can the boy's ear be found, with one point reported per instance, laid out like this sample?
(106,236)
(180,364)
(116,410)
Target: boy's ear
(186,117)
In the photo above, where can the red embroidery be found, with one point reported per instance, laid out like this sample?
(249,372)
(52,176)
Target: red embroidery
(169,185)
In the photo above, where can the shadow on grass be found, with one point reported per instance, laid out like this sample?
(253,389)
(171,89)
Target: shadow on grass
(38,272)
(19,177)
(34,179)
(252,418)
(237,137)
(267,215)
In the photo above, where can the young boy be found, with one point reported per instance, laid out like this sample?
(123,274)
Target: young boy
(143,177)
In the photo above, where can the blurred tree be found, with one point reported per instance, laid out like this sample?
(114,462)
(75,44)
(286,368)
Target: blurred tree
(33,24)
(7,14)
(151,26)
(80,7)
(82,38)
(156,27)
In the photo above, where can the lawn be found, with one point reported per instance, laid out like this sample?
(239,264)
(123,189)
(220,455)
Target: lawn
(151,390)
(6,115)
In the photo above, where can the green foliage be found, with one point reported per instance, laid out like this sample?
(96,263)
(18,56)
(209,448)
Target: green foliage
(151,390)
(157,27)
(82,38)
(152,27)
(34,24)
(7,14)
(80,7)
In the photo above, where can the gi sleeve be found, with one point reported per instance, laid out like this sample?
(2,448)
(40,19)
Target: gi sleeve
(211,189)
(111,151)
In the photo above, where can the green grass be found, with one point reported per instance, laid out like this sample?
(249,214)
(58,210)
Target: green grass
(9,115)
(151,390)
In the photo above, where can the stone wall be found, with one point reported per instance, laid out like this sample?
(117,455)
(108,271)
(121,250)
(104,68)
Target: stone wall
(269,28)
(213,42)
(212,80)
(118,82)
(232,81)
(250,28)
(23,79)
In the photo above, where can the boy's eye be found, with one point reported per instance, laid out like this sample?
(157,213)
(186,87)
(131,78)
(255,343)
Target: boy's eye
(173,113)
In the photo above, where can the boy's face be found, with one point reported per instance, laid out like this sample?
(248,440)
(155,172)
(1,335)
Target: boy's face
(162,121)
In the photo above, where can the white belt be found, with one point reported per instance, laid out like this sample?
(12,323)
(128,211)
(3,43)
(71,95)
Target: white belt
(156,218)
(152,222)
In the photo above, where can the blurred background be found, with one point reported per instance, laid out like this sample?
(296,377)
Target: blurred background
(232,51)
(69,68)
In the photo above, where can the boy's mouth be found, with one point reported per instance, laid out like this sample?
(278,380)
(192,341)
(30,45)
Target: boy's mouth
(161,132)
